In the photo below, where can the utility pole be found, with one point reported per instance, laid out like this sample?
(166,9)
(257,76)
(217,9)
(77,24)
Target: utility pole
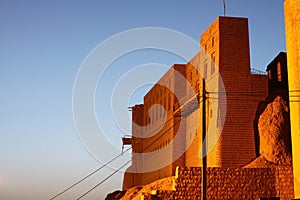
(204,159)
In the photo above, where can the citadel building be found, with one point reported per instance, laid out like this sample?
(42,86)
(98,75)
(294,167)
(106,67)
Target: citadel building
(165,139)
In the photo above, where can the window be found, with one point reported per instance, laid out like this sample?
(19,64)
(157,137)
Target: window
(213,58)
(205,70)
(212,41)
(169,102)
(279,78)
(270,74)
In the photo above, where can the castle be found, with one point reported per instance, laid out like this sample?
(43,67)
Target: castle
(170,135)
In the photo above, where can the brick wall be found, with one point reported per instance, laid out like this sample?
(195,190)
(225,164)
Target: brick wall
(234,64)
(158,145)
(226,42)
(233,183)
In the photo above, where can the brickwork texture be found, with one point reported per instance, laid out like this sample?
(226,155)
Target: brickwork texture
(233,183)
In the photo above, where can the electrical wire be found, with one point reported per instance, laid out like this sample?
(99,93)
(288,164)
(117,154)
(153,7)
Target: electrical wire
(161,135)
(87,176)
(97,185)
(98,169)
(104,179)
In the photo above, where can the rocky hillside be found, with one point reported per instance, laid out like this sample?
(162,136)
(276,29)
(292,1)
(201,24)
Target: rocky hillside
(135,192)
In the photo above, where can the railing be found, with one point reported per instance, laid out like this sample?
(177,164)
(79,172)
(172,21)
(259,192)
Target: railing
(257,71)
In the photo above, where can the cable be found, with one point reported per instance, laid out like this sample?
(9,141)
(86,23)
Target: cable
(98,169)
(192,98)
(104,179)
(90,190)
(247,94)
(87,176)
(231,99)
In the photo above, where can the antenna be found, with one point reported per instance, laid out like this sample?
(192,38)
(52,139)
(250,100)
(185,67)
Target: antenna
(224,5)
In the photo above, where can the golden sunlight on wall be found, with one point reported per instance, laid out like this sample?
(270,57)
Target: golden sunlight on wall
(292,28)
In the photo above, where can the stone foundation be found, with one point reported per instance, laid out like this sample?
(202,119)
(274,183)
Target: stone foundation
(232,183)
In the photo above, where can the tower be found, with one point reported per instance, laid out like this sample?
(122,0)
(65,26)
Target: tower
(226,43)
(292,29)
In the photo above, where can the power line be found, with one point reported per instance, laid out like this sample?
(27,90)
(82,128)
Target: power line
(98,169)
(261,93)
(233,99)
(127,161)
(90,190)
(87,176)
(104,179)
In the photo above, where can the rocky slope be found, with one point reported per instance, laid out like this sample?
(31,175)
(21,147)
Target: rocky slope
(135,192)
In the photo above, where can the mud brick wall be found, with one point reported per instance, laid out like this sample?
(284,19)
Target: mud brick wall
(285,182)
(233,183)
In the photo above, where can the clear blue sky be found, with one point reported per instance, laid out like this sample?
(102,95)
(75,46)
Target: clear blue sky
(42,45)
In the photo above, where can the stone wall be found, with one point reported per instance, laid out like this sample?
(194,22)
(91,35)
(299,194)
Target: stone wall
(284,182)
(233,183)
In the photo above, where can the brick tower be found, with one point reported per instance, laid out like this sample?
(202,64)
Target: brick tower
(226,42)
(292,28)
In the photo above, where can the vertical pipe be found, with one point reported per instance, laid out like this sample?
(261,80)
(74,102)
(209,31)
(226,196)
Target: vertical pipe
(204,159)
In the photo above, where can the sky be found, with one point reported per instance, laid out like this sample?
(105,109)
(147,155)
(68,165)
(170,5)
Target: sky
(42,46)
